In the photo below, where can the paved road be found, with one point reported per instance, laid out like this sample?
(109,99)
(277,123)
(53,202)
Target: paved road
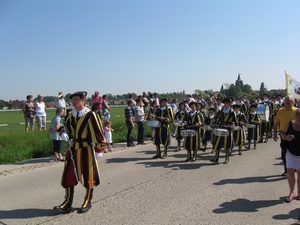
(136,189)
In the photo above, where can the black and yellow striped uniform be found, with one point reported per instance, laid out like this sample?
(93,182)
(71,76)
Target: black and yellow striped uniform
(86,132)
(239,136)
(253,133)
(162,133)
(225,118)
(191,143)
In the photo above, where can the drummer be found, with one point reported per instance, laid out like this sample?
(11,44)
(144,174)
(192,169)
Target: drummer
(180,115)
(193,122)
(226,119)
(253,131)
(239,136)
(164,115)
(210,121)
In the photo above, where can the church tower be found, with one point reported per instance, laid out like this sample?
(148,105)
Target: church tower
(239,82)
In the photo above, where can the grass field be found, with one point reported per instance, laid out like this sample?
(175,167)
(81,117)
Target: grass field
(16,144)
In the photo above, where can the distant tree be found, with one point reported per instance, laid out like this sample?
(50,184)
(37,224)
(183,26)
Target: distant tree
(220,95)
(209,92)
(247,88)
(234,91)
(2,104)
(199,92)
(262,89)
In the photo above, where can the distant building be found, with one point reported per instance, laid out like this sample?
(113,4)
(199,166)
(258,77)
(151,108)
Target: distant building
(225,86)
(15,104)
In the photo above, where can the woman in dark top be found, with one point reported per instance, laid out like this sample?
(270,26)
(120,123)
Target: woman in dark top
(291,137)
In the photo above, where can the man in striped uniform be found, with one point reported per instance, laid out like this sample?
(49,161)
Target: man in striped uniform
(164,115)
(193,122)
(226,119)
(83,133)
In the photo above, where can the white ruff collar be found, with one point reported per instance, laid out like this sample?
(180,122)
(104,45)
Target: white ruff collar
(252,113)
(81,112)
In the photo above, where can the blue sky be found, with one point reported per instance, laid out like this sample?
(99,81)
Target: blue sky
(131,46)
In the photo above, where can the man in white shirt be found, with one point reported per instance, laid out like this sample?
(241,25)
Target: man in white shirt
(60,100)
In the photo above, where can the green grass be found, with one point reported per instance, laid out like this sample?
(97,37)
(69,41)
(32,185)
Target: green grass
(17,145)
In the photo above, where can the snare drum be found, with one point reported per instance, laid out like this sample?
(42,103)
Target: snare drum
(153,123)
(177,123)
(221,132)
(208,128)
(263,111)
(251,125)
(187,133)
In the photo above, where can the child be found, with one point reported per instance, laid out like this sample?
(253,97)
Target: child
(56,123)
(108,135)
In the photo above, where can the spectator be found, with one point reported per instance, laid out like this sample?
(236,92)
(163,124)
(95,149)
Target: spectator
(140,120)
(129,122)
(291,136)
(130,97)
(28,110)
(151,116)
(56,123)
(282,118)
(97,102)
(108,135)
(40,113)
(145,101)
(60,101)
(105,108)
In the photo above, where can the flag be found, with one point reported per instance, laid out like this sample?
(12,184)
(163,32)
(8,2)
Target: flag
(292,86)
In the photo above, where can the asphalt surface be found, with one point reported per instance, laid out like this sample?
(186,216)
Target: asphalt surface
(136,189)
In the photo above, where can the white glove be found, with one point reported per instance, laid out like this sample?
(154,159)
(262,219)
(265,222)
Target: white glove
(65,136)
(99,155)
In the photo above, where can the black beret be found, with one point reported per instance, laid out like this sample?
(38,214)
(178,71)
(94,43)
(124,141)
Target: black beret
(226,100)
(236,106)
(213,109)
(163,99)
(192,103)
(253,106)
(81,94)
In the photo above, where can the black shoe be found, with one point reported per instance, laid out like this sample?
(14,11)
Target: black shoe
(85,209)
(130,145)
(59,209)
(284,174)
(164,156)
(260,141)
(214,161)
(226,162)
(156,157)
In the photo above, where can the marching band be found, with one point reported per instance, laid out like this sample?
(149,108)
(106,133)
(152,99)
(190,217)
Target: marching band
(227,124)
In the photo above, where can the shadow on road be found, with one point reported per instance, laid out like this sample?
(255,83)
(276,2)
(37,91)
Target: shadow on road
(26,213)
(245,205)
(292,214)
(243,180)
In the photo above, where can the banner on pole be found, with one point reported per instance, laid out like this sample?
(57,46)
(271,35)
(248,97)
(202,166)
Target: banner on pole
(292,86)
